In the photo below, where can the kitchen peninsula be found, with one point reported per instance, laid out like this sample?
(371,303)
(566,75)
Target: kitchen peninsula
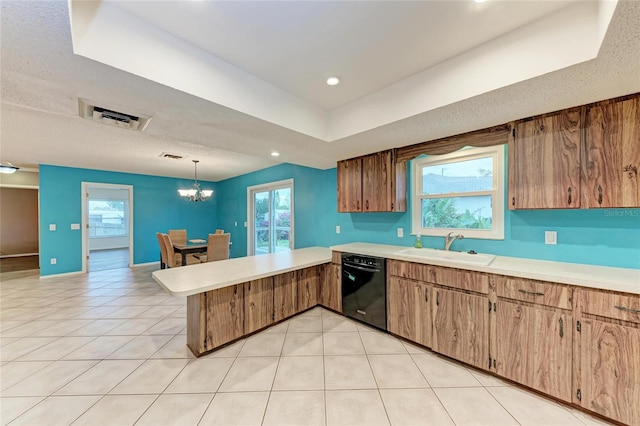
(229,299)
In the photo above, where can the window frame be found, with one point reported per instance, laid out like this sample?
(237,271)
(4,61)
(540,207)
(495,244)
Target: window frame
(497,193)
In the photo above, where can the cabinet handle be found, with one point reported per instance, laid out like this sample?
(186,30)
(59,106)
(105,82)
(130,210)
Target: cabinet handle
(533,293)
(599,194)
(358,205)
(437,298)
(367,204)
(633,311)
(513,201)
(561,327)
(426,296)
(569,195)
(391,206)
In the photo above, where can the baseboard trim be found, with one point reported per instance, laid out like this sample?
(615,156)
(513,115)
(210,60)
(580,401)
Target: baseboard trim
(138,265)
(65,274)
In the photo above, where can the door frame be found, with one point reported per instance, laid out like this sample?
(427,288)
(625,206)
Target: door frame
(250,209)
(84,196)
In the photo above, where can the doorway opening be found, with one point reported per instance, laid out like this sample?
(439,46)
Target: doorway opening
(19,235)
(107,240)
(270,214)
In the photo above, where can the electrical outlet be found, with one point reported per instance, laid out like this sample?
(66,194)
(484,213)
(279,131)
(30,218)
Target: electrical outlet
(52,227)
(245,224)
(75,226)
(337,229)
(54,261)
(550,237)
(400,232)
(235,223)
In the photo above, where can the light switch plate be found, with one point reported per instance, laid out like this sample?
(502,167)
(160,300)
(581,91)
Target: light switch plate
(75,226)
(54,261)
(400,232)
(550,237)
(337,229)
(52,227)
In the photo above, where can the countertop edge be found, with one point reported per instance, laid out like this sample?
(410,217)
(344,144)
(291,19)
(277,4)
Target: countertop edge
(618,279)
(158,276)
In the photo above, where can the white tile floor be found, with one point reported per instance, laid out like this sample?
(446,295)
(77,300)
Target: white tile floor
(108,348)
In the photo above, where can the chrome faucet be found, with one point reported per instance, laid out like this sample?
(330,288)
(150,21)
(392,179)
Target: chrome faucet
(450,238)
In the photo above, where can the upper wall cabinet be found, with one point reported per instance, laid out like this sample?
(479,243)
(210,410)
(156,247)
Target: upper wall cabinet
(372,183)
(544,162)
(612,154)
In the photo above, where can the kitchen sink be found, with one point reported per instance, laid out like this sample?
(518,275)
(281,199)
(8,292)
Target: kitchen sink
(454,256)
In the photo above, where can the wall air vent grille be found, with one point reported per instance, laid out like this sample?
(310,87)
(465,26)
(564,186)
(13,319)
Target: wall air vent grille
(111,117)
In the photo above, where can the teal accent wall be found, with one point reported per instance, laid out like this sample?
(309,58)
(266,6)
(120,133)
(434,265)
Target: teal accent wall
(606,237)
(157,208)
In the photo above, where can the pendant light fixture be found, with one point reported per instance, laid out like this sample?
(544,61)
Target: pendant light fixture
(195,194)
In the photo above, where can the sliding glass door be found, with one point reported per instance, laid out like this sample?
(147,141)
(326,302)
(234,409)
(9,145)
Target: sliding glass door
(270,217)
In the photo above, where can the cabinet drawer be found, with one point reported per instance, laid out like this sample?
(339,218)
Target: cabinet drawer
(611,305)
(539,292)
(450,277)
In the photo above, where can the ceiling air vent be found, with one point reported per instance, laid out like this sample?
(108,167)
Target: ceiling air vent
(112,118)
(171,156)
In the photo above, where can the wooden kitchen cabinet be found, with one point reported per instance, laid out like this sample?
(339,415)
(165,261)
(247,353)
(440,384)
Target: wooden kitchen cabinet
(534,334)
(372,183)
(612,154)
(258,304)
(607,349)
(545,160)
(461,326)
(285,295)
(331,288)
(350,185)
(308,280)
(534,347)
(217,316)
(409,310)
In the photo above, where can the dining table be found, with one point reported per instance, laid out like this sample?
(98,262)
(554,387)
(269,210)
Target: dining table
(190,247)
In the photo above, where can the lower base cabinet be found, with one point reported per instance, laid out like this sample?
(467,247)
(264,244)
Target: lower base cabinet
(331,287)
(308,280)
(285,295)
(461,326)
(409,310)
(215,318)
(258,304)
(534,348)
(610,355)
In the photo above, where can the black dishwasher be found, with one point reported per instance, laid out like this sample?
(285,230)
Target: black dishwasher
(364,289)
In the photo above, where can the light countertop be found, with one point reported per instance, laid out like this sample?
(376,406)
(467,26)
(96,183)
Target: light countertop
(599,277)
(194,279)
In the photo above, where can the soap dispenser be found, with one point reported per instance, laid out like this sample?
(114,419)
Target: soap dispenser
(418,242)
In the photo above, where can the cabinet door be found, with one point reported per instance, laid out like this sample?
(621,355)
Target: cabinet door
(610,370)
(408,310)
(331,291)
(534,347)
(350,185)
(285,295)
(544,166)
(224,314)
(258,304)
(612,155)
(307,292)
(461,326)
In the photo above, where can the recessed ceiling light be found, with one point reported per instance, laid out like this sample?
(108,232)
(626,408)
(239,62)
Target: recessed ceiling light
(332,81)
(275,154)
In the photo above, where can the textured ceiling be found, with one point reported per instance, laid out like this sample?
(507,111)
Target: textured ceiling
(42,80)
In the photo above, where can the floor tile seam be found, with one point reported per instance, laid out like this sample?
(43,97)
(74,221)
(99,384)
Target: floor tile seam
(546,399)
(26,377)
(492,396)
(59,387)
(61,357)
(420,370)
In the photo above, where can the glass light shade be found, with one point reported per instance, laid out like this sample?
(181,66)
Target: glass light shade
(187,192)
(207,192)
(8,168)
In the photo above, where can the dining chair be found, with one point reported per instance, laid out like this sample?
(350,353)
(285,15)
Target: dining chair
(178,236)
(217,248)
(163,250)
(219,231)
(174,259)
